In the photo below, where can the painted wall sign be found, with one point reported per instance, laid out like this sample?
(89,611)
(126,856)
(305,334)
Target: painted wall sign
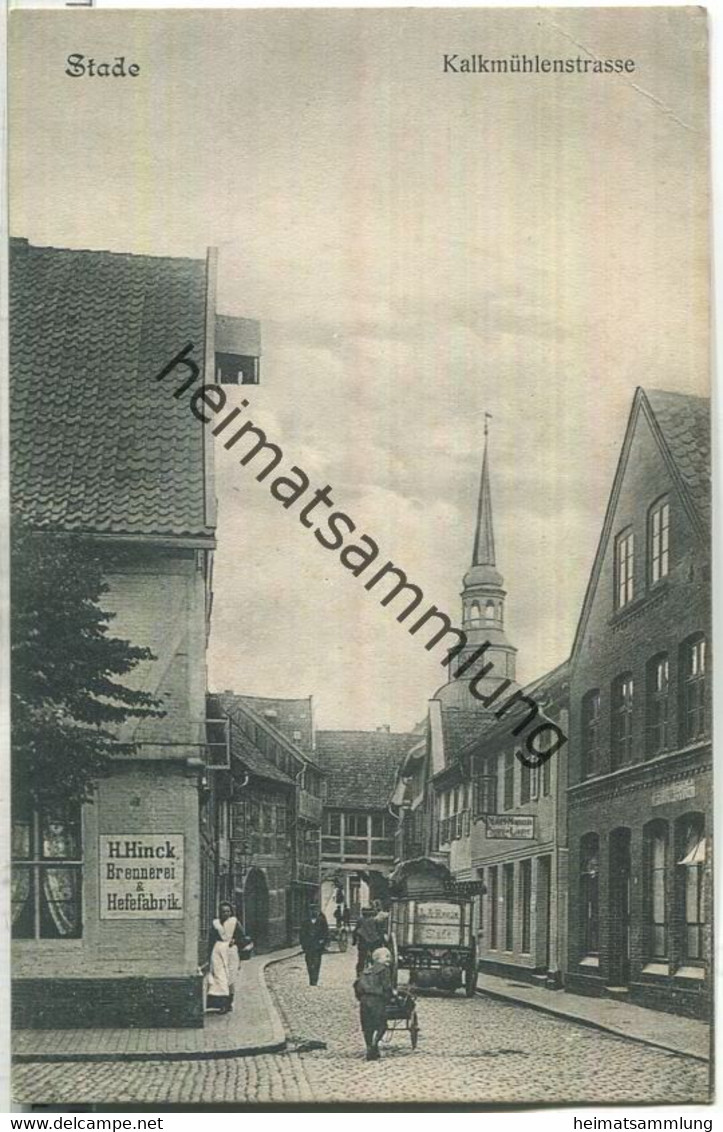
(674,792)
(437,923)
(511,827)
(141,876)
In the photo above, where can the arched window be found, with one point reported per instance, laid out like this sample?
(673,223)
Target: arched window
(658,540)
(655,890)
(691,851)
(590,725)
(489,610)
(657,689)
(475,616)
(624,568)
(622,720)
(590,894)
(693,687)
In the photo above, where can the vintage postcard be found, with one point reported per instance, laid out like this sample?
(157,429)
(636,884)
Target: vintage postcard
(361,557)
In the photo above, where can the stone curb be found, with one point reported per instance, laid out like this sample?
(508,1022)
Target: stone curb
(583,1020)
(277,1043)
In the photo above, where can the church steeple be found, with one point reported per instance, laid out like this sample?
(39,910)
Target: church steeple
(483,605)
(484,536)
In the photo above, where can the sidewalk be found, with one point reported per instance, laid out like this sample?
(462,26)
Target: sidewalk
(653,1027)
(253,1027)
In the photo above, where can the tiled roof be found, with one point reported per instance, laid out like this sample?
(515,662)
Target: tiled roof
(96,443)
(685,423)
(361,766)
(460,728)
(292,718)
(253,759)
(552,686)
(242,748)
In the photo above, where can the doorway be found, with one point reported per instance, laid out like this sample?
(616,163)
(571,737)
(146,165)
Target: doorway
(543,912)
(256,908)
(619,974)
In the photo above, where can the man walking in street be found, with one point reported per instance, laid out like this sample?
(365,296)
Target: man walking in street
(373,989)
(313,937)
(368,935)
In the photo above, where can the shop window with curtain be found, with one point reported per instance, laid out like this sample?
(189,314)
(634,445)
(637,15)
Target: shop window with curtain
(47,875)
(658,686)
(590,894)
(690,865)
(693,690)
(655,838)
(622,721)
(590,724)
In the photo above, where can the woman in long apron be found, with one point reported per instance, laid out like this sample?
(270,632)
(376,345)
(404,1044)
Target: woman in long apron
(226,939)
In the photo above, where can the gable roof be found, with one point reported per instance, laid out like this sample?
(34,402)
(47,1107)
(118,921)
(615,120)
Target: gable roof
(681,425)
(292,715)
(685,426)
(361,766)
(242,748)
(291,718)
(97,444)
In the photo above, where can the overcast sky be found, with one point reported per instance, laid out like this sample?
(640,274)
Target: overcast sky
(420,248)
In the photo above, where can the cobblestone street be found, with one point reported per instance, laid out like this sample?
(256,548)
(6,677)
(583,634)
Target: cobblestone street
(476,1050)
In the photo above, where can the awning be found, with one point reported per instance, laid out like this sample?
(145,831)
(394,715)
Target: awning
(696,855)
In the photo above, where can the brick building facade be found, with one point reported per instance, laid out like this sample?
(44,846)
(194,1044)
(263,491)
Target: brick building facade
(640,790)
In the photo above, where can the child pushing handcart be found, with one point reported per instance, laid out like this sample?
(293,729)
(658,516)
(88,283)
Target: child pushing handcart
(384,1009)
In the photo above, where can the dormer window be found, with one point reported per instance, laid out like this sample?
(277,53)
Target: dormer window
(238,350)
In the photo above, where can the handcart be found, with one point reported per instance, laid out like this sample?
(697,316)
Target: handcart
(401,1016)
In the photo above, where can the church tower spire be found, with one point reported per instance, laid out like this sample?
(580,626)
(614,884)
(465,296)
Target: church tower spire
(484,536)
(483,607)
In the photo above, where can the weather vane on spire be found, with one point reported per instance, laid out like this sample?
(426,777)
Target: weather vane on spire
(488,418)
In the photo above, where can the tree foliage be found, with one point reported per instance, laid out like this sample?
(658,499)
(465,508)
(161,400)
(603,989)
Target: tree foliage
(67,692)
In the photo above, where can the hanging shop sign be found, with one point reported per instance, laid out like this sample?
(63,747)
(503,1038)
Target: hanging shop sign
(511,827)
(141,876)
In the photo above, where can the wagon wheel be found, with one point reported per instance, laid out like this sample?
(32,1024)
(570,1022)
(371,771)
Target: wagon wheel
(414,1029)
(471,974)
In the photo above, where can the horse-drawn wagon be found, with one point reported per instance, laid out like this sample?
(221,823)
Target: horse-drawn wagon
(432,928)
